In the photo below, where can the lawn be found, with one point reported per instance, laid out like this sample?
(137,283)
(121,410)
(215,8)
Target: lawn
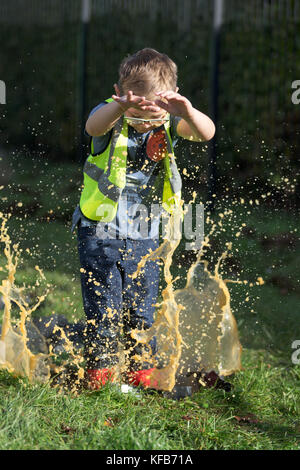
(262,412)
(263,409)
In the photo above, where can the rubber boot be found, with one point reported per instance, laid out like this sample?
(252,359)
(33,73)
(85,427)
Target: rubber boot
(142,377)
(99,377)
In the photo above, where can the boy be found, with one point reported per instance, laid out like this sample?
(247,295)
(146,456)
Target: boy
(131,166)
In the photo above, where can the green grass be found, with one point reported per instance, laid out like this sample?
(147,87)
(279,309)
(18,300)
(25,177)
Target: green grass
(262,412)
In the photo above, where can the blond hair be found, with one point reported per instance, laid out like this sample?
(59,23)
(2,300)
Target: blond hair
(146,72)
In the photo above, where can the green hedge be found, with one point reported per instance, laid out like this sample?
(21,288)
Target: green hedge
(40,66)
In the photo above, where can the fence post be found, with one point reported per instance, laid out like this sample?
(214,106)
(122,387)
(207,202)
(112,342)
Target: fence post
(214,94)
(85,19)
(2,92)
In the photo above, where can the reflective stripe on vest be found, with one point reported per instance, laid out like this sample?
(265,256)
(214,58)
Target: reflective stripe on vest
(174,177)
(105,186)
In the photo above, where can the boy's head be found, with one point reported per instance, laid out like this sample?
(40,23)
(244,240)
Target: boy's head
(147,72)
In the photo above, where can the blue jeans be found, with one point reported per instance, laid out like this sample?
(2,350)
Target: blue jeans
(114,303)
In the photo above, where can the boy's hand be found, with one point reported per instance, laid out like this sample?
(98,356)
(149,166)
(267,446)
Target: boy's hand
(175,104)
(133,101)
(194,125)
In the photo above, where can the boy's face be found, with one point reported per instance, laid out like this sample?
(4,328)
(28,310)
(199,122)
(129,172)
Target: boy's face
(143,126)
(156,119)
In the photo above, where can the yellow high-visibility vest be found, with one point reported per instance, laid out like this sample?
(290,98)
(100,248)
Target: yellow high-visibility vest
(105,176)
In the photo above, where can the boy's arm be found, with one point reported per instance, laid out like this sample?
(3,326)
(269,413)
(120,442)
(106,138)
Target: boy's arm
(197,127)
(193,125)
(106,117)
(102,120)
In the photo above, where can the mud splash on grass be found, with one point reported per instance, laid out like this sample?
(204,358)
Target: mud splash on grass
(14,352)
(194,328)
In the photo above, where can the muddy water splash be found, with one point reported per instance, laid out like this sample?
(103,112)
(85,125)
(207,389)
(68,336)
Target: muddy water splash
(14,352)
(195,329)
(166,326)
(194,326)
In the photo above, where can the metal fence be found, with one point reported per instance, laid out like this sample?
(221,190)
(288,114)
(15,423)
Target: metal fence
(51,12)
(48,94)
